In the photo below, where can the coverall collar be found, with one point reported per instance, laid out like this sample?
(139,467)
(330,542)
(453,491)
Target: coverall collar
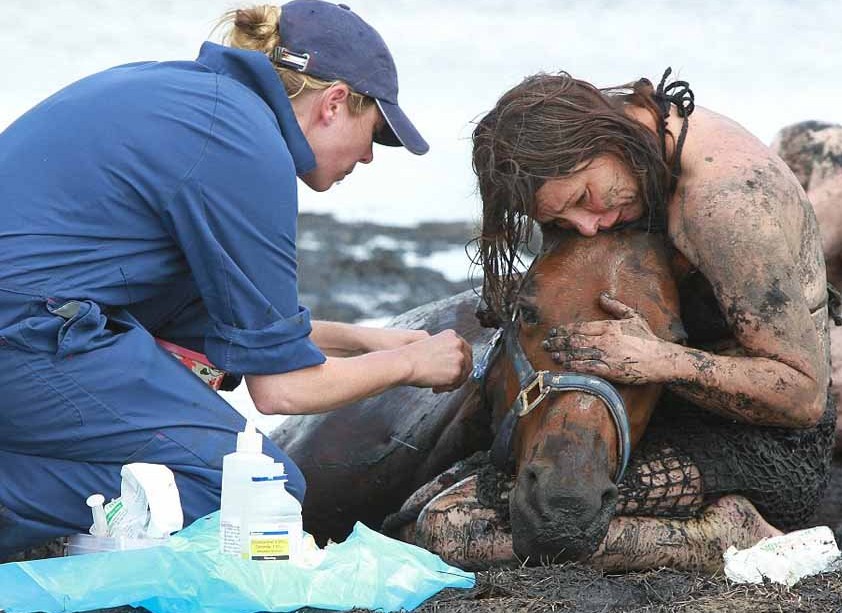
(254,70)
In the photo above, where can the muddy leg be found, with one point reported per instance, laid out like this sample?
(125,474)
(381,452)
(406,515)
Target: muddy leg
(463,532)
(637,543)
(638,540)
(836,378)
(468,535)
(402,524)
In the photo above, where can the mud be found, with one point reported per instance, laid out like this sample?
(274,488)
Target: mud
(575,588)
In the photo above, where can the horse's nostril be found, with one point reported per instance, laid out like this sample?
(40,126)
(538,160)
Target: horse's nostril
(609,496)
(531,477)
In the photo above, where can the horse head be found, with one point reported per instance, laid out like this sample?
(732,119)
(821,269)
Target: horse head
(566,436)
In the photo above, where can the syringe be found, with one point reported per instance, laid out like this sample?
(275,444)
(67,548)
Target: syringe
(95,502)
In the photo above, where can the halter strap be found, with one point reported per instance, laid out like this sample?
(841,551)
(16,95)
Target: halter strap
(547,382)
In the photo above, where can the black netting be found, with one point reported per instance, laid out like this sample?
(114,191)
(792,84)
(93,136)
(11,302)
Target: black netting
(660,482)
(689,458)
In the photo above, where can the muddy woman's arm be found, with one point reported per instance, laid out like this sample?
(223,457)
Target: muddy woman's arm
(741,234)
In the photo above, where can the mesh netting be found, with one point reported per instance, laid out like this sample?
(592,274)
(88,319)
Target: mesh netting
(689,458)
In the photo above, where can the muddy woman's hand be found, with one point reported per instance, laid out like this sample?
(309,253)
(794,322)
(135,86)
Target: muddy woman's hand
(623,350)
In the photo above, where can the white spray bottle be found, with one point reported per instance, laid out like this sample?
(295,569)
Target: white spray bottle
(237,471)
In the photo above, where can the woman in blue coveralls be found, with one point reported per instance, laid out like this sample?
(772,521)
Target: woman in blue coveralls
(159,200)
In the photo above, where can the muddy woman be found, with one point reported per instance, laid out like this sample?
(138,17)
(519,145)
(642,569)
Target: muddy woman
(743,433)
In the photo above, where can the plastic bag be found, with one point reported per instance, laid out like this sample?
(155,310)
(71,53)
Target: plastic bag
(784,559)
(190,575)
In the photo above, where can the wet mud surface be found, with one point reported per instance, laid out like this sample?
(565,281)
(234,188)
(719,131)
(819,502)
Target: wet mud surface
(574,588)
(359,270)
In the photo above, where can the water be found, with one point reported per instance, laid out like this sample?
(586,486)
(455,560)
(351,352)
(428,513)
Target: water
(766,64)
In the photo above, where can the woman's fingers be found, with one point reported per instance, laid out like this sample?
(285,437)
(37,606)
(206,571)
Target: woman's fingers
(588,328)
(614,307)
(442,362)
(585,353)
(569,342)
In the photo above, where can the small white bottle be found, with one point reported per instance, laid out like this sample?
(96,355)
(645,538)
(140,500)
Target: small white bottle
(273,529)
(237,470)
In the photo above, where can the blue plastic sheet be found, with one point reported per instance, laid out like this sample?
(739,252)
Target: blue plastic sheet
(189,575)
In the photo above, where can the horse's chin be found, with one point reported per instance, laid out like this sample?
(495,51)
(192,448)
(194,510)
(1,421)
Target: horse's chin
(567,533)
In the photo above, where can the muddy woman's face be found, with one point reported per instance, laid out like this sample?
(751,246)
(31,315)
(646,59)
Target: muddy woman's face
(600,196)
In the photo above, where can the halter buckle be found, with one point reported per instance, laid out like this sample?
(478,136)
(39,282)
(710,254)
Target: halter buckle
(527,406)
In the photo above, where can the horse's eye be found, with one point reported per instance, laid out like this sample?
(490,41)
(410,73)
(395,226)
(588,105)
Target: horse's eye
(528,314)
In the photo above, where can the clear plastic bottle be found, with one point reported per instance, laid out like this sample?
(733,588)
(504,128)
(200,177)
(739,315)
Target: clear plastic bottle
(273,529)
(237,470)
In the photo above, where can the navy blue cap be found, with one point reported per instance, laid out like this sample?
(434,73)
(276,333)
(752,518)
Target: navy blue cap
(329,41)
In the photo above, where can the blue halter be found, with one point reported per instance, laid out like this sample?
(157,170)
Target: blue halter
(535,386)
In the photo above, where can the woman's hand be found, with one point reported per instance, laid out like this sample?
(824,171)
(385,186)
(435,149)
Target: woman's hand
(623,350)
(442,362)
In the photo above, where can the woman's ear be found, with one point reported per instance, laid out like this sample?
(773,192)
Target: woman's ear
(334,101)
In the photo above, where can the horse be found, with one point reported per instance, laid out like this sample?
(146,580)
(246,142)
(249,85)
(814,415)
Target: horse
(566,438)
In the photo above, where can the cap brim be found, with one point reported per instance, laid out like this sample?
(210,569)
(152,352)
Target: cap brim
(399,131)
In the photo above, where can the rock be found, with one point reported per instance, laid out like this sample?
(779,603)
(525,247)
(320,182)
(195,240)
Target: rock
(361,270)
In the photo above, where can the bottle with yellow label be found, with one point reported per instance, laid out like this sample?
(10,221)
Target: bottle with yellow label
(238,468)
(273,527)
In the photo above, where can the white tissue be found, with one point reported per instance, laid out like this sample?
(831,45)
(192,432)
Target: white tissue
(784,559)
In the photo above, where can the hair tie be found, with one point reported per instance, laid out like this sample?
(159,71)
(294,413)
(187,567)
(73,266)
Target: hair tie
(677,93)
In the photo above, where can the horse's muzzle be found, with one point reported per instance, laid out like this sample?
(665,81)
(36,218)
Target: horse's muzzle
(556,522)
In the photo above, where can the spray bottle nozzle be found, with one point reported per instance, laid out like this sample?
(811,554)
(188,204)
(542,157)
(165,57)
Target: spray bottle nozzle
(250,439)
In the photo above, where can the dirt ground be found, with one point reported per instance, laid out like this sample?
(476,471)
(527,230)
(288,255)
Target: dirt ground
(574,588)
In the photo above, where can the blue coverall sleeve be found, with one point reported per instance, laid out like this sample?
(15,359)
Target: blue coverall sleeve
(234,217)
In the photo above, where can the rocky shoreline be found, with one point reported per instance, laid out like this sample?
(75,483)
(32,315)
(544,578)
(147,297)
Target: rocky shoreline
(352,271)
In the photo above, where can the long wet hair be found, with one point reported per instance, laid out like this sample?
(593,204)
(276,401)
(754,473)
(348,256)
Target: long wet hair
(545,128)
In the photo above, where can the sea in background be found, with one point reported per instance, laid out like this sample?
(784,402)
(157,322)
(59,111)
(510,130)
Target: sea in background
(764,63)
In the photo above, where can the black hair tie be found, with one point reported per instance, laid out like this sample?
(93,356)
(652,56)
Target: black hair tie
(679,94)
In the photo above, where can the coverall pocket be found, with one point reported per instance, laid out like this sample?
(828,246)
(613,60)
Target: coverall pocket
(85,327)
(48,419)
